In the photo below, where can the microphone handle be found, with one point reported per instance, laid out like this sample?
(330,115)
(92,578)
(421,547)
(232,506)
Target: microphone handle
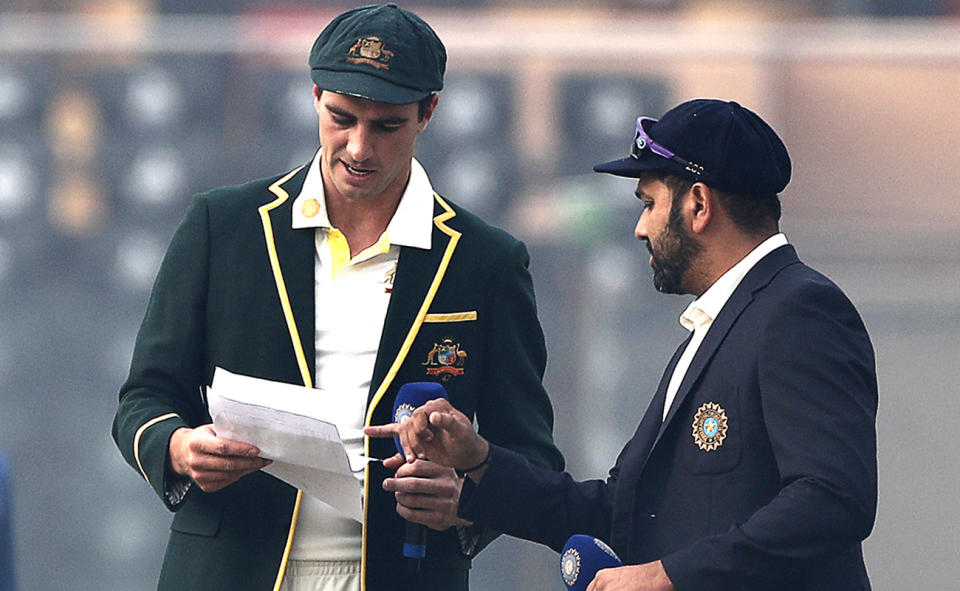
(415,540)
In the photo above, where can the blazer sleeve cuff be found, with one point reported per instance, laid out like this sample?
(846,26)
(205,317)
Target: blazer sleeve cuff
(682,579)
(478,500)
(151,450)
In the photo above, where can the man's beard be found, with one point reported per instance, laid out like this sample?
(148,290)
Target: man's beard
(674,252)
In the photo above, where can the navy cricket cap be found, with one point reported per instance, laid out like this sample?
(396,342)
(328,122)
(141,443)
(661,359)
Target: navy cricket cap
(380,52)
(720,143)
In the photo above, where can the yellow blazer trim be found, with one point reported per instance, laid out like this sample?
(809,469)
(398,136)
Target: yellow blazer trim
(451,317)
(278,274)
(438,221)
(136,439)
(264,210)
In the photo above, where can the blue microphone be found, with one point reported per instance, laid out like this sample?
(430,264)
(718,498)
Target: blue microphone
(581,558)
(409,398)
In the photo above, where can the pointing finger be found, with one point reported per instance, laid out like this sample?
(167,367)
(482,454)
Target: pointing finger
(382,431)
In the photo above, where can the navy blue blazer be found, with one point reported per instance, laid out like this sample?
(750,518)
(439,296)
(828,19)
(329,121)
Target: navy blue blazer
(762,476)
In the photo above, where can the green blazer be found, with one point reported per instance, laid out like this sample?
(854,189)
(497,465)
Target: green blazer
(236,290)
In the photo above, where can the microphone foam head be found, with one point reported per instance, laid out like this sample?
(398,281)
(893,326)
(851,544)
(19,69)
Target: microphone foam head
(411,396)
(582,557)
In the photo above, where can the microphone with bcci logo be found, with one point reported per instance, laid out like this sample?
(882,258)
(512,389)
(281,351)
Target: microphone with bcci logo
(582,557)
(410,397)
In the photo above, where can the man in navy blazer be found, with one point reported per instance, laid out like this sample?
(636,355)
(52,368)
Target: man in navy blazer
(754,466)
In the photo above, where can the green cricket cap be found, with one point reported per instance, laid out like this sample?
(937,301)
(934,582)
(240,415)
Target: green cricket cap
(379,52)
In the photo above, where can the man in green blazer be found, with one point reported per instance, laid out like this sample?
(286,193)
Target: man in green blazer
(352,276)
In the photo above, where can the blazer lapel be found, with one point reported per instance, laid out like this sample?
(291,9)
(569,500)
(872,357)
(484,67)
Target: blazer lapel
(419,274)
(291,255)
(653,419)
(638,452)
(757,278)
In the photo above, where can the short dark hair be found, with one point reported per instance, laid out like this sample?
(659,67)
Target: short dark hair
(423,105)
(754,214)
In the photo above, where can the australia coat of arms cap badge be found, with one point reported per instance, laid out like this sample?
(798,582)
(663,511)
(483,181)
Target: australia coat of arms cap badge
(370,51)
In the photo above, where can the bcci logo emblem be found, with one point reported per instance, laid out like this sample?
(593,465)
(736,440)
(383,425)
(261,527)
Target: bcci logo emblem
(446,359)
(570,566)
(403,412)
(370,51)
(710,426)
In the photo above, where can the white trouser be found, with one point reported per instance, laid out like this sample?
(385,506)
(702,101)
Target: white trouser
(321,575)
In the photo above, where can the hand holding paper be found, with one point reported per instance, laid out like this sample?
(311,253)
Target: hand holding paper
(210,461)
(286,424)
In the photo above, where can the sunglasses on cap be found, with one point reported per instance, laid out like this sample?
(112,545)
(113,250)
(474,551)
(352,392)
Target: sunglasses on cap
(642,141)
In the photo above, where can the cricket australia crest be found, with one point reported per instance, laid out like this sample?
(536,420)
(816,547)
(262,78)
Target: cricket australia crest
(710,426)
(446,359)
(370,51)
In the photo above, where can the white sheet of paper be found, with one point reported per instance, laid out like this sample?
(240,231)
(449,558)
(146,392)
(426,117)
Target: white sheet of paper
(285,422)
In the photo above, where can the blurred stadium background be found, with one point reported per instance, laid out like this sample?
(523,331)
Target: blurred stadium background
(113,112)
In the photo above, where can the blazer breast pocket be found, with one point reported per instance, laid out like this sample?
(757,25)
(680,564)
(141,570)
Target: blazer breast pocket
(467,316)
(449,348)
(198,518)
(714,434)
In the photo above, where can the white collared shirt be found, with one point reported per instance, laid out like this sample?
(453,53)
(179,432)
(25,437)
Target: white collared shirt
(700,314)
(411,225)
(351,299)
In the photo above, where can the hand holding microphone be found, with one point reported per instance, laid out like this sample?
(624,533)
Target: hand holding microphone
(438,431)
(587,564)
(582,557)
(410,397)
(426,492)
